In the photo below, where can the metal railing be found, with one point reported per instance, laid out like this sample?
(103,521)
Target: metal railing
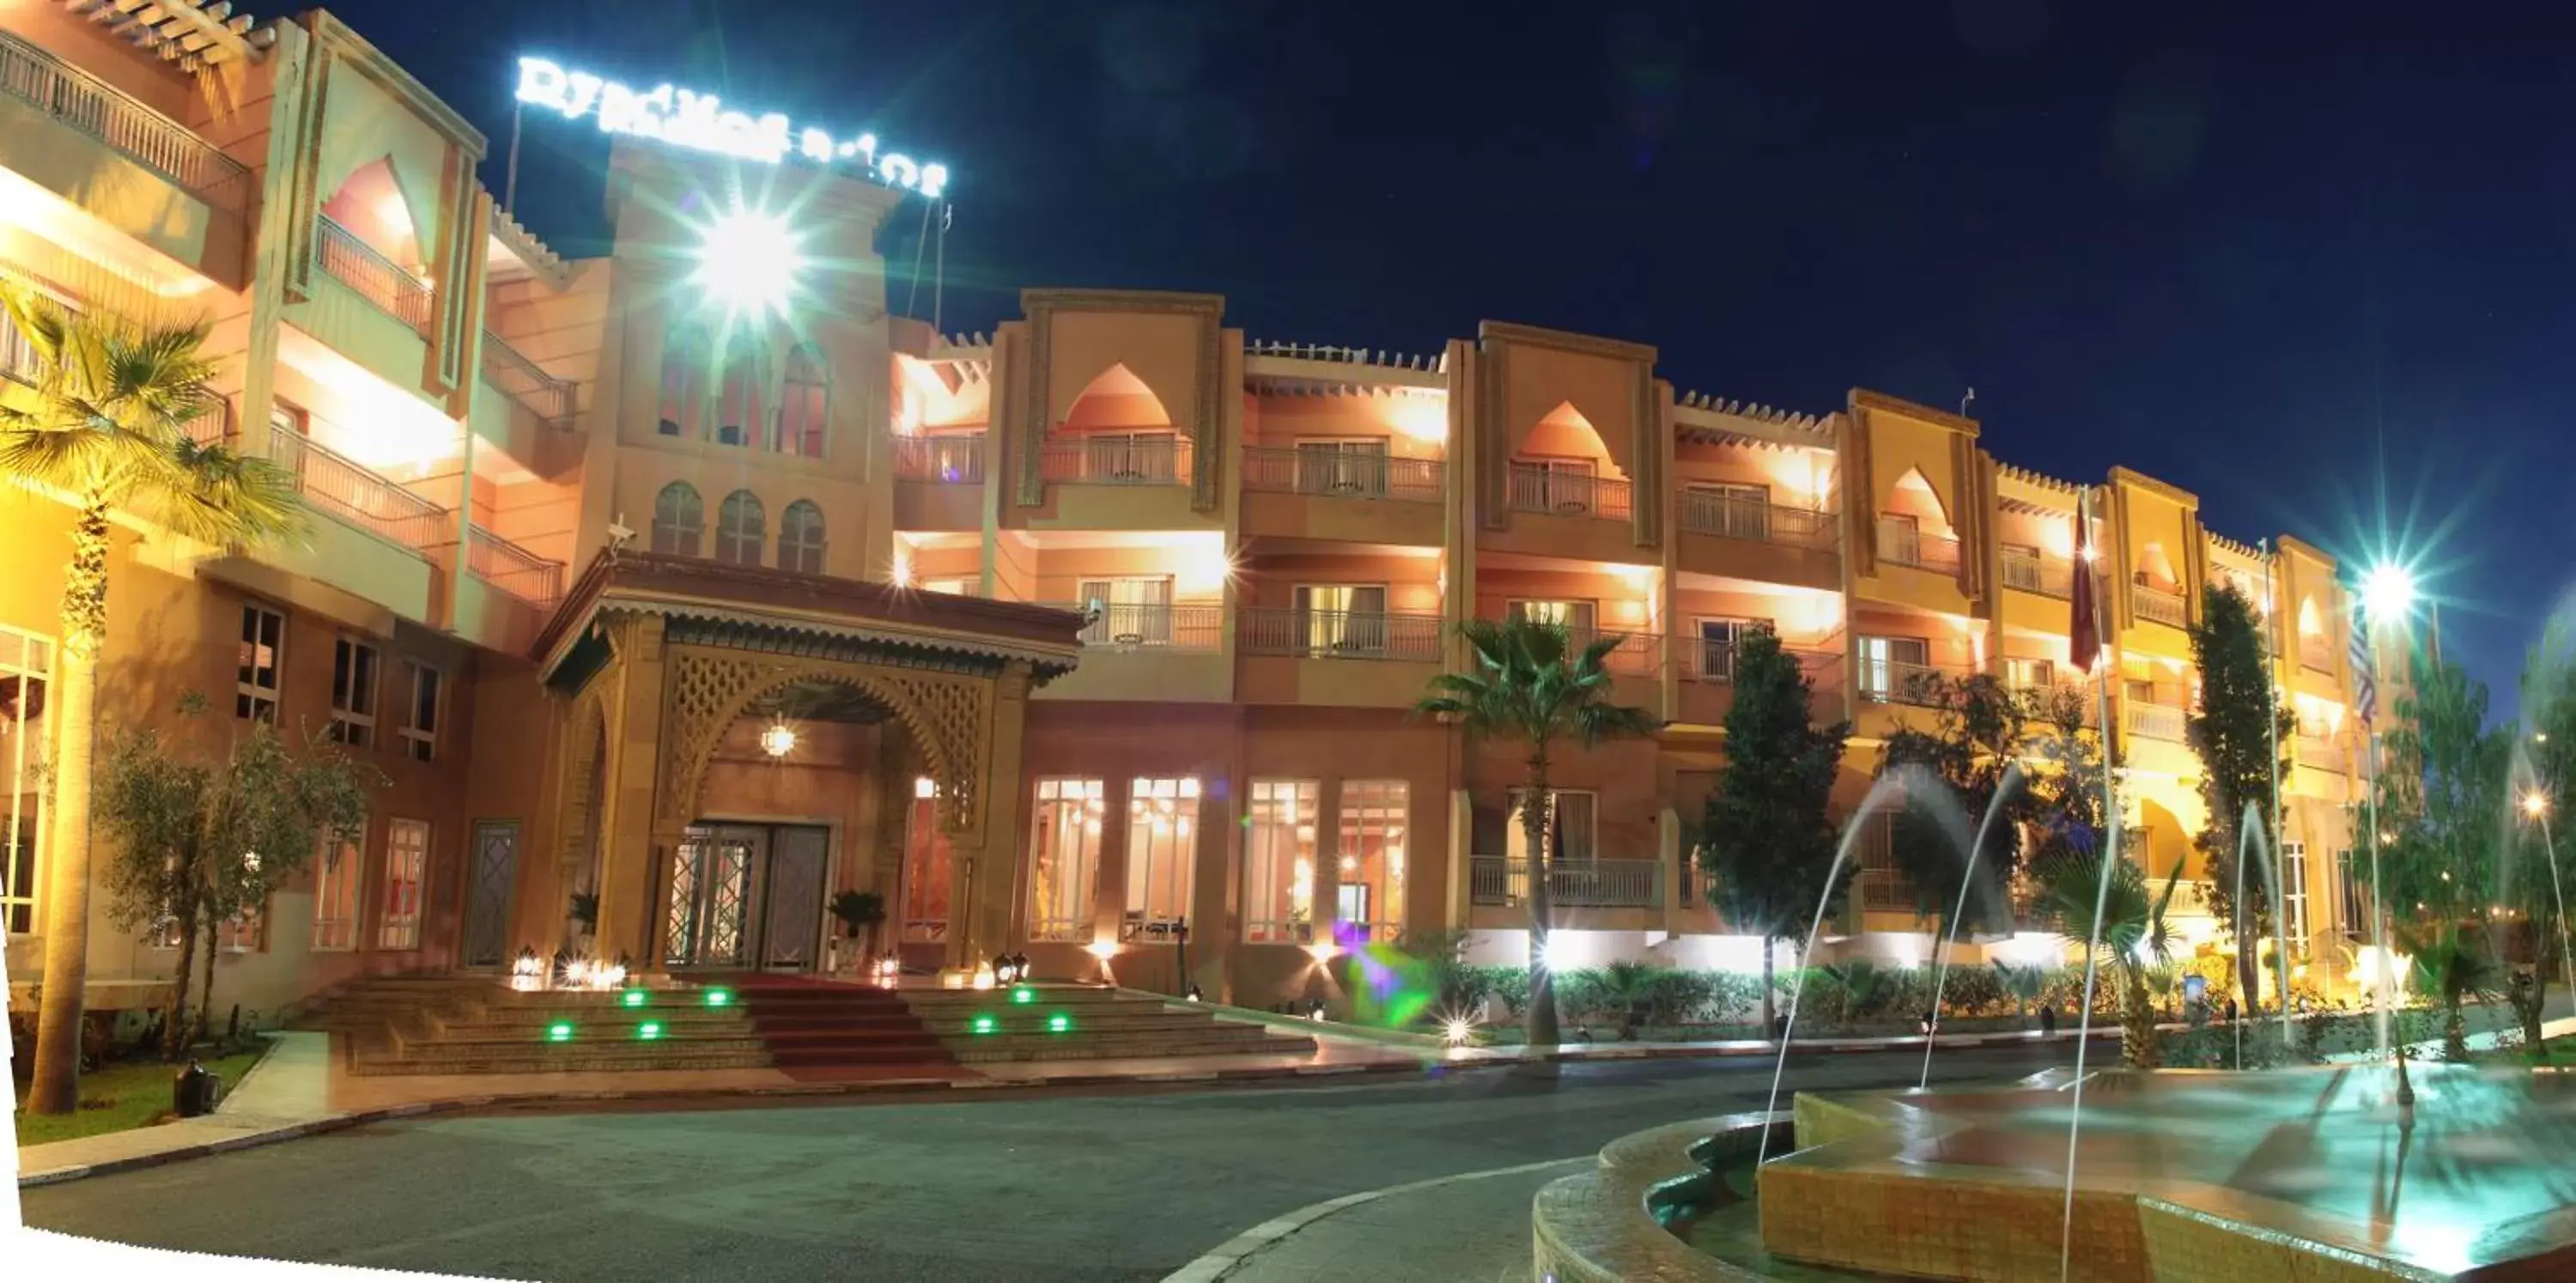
(947,461)
(1893,681)
(1567,494)
(1905,544)
(1887,891)
(2156,605)
(1151,625)
(1116,461)
(376,278)
(1638,654)
(513,569)
(2154,721)
(2320,753)
(18,358)
(1705,660)
(342,488)
(2047,576)
(1716,514)
(1571,884)
(526,382)
(1338,634)
(1342,474)
(136,131)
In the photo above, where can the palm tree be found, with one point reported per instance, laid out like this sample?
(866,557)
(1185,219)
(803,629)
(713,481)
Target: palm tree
(2452,966)
(2136,936)
(1533,684)
(109,428)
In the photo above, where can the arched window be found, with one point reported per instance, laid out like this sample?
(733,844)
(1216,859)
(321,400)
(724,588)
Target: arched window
(741,528)
(802,401)
(684,381)
(738,420)
(678,520)
(800,538)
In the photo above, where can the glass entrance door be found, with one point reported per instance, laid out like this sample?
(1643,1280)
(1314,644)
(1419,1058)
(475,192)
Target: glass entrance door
(744,895)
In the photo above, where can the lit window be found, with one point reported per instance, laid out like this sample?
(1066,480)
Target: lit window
(738,416)
(1133,611)
(1279,862)
(1064,853)
(1343,619)
(926,867)
(1369,861)
(802,403)
(2294,895)
(353,693)
(26,663)
(742,526)
(800,538)
(2030,674)
(678,520)
(1718,639)
(1574,616)
(1162,847)
(684,375)
(1889,665)
(263,640)
(420,713)
(335,892)
(1570,814)
(406,860)
(244,932)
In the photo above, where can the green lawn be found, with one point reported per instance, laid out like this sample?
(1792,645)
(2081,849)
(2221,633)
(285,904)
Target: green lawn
(122,1096)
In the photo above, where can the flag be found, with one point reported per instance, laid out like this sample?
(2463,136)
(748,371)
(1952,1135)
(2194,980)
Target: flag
(2084,624)
(2365,685)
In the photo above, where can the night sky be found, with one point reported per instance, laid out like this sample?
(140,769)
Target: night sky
(2309,261)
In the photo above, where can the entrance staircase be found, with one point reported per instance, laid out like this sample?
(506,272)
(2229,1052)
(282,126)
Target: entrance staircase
(477,1025)
(1086,1022)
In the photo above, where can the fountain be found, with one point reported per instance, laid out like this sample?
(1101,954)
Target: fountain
(2249,832)
(2004,789)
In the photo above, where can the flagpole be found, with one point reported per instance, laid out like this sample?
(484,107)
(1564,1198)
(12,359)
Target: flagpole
(2278,847)
(2102,877)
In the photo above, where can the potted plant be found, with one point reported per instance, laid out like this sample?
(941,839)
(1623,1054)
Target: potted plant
(585,913)
(861,913)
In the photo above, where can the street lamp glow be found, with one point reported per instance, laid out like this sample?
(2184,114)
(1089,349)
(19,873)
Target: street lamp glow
(749,262)
(2535,804)
(2387,592)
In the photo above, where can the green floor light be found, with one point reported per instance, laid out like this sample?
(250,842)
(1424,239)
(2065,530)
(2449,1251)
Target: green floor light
(1059,1023)
(559,1031)
(1024,995)
(649,1030)
(632,998)
(719,997)
(984,1023)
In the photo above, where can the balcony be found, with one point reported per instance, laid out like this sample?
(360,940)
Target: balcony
(513,569)
(1152,626)
(333,484)
(2155,605)
(371,275)
(1903,543)
(1707,669)
(2320,753)
(1887,891)
(2034,573)
(940,461)
(1152,652)
(1336,634)
(1728,517)
(1894,681)
(1115,461)
(2315,652)
(1571,884)
(2155,721)
(83,102)
(526,382)
(1561,493)
(1340,474)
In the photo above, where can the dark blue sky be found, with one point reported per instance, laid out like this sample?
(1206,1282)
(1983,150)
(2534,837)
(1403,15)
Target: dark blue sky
(2310,261)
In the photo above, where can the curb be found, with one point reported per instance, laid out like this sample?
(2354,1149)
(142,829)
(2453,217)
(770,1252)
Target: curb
(1224,1260)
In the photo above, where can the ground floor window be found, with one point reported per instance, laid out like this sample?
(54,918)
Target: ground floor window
(2351,900)
(1369,901)
(406,860)
(2294,895)
(1162,847)
(1064,857)
(244,932)
(335,891)
(26,661)
(1279,862)
(926,867)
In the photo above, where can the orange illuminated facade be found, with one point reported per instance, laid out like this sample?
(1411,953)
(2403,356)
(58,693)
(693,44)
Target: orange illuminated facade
(1092,638)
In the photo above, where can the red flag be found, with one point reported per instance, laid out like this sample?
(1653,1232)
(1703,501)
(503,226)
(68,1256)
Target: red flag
(2084,625)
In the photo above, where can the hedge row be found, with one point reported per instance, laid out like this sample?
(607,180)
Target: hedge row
(1676,996)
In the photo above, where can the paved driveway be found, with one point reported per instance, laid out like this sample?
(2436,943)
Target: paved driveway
(1119,1187)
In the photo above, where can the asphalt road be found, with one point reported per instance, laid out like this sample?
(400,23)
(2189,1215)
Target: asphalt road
(1084,1188)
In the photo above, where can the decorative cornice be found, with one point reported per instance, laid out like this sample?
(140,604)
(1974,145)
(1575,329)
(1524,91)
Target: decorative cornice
(336,37)
(2226,545)
(2029,478)
(191,33)
(1790,420)
(1584,344)
(1205,428)
(1034,301)
(2165,489)
(1864,399)
(543,262)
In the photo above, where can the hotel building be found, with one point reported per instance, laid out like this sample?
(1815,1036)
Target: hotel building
(1092,638)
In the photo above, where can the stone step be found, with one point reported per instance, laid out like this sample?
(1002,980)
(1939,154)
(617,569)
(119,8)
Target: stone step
(1001,1048)
(616,1041)
(583,1060)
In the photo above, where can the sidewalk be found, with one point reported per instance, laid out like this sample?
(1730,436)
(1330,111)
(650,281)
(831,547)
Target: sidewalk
(1469,1228)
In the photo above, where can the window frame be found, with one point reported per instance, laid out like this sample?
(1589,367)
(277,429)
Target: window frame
(399,914)
(1160,865)
(249,696)
(795,439)
(350,724)
(1590,835)
(1717,655)
(340,883)
(754,540)
(1053,797)
(420,743)
(684,539)
(27,661)
(788,519)
(1302,803)
(1386,812)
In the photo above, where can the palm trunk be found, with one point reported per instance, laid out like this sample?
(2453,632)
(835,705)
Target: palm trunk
(2138,1041)
(1540,1028)
(205,995)
(2455,1031)
(1770,1008)
(174,1038)
(56,1089)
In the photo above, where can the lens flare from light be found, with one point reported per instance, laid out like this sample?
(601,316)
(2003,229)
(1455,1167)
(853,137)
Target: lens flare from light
(750,262)
(2388,591)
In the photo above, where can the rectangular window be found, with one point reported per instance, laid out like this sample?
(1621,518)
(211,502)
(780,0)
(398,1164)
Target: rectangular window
(1900,538)
(1370,860)
(353,693)
(1162,846)
(2351,900)
(26,662)
(1718,639)
(1571,812)
(1342,466)
(1728,508)
(1133,611)
(2030,674)
(1279,862)
(1064,854)
(420,712)
(263,642)
(1887,664)
(406,863)
(2294,895)
(1343,619)
(953,587)
(1576,616)
(926,867)
(244,932)
(335,892)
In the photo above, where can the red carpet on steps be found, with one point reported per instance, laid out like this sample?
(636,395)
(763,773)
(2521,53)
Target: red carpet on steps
(823,1032)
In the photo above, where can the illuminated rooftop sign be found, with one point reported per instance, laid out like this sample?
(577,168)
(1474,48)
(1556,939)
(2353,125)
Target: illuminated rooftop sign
(702,123)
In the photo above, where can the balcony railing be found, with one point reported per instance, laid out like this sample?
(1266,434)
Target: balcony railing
(1637,655)
(526,382)
(513,569)
(376,278)
(1571,884)
(1715,514)
(2154,721)
(135,131)
(1887,891)
(2320,753)
(1115,461)
(1905,544)
(1151,626)
(17,356)
(1567,494)
(2156,605)
(2316,652)
(350,492)
(1338,634)
(946,461)
(1892,681)
(1706,660)
(2047,576)
(1342,474)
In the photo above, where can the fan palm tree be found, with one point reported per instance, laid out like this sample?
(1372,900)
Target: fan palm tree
(108,428)
(2135,935)
(2453,967)
(1532,683)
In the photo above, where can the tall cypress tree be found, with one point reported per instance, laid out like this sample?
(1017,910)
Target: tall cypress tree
(2239,728)
(1767,840)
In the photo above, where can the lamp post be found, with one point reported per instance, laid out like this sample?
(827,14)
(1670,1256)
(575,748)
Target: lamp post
(2535,807)
(2387,592)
